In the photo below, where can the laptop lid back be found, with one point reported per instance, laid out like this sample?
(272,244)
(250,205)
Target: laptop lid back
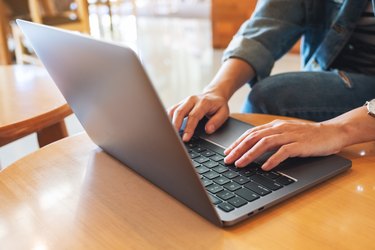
(110,93)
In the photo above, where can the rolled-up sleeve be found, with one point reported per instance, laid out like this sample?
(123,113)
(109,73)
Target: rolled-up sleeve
(272,30)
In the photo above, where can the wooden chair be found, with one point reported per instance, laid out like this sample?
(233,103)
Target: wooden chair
(10,10)
(30,103)
(54,13)
(48,12)
(5,57)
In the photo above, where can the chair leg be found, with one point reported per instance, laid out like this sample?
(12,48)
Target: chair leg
(52,133)
(5,57)
(20,50)
(22,54)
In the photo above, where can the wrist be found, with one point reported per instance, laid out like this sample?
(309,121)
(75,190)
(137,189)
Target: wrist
(342,132)
(218,89)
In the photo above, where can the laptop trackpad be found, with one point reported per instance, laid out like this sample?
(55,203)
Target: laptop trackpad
(231,130)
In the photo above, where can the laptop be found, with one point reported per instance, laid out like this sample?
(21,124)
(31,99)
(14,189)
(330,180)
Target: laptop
(110,93)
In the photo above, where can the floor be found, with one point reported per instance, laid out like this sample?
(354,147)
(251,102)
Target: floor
(174,45)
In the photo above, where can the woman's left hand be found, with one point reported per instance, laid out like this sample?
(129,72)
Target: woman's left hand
(289,139)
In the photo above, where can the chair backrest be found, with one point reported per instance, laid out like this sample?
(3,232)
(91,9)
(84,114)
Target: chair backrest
(65,14)
(17,8)
(61,14)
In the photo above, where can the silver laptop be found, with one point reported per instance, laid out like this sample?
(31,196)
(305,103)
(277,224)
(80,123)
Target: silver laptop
(112,96)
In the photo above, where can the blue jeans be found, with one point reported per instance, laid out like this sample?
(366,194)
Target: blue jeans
(315,96)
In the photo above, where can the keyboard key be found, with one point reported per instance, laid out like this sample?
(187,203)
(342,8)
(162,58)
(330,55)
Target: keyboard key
(225,195)
(206,182)
(199,149)
(231,166)
(225,207)
(221,180)
(237,201)
(232,186)
(196,164)
(234,168)
(266,182)
(201,159)
(283,180)
(247,194)
(270,175)
(190,145)
(214,188)
(247,172)
(241,180)
(222,162)
(193,155)
(253,165)
(220,169)
(216,158)
(210,164)
(211,175)
(202,170)
(213,148)
(230,174)
(257,188)
(208,153)
(214,200)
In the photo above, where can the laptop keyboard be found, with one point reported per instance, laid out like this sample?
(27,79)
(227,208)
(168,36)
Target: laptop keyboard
(230,187)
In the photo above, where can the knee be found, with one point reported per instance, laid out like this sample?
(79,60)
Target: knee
(268,95)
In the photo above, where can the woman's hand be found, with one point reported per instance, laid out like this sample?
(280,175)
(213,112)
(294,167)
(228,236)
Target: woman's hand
(195,108)
(213,103)
(289,139)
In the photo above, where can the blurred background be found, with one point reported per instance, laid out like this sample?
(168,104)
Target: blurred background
(180,43)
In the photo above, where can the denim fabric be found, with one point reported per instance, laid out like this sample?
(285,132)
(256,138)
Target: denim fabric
(320,93)
(315,96)
(275,26)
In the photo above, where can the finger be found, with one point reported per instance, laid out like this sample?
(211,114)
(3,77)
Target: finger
(281,155)
(171,110)
(237,142)
(262,146)
(217,120)
(248,142)
(195,115)
(245,134)
(181,112)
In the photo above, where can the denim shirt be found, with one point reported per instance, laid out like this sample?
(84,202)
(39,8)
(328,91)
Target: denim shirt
(276,25)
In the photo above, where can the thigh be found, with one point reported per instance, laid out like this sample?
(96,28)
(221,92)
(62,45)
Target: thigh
(315,96)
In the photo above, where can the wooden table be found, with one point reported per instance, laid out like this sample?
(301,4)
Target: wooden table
(30,103)
(71,195)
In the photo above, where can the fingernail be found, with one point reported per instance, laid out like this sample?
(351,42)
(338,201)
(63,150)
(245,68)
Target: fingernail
(265,167)
(238,164)
(185,137)
(226,160)
(226,151)
(210,129)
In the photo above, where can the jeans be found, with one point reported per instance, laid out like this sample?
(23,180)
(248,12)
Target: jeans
(315,96)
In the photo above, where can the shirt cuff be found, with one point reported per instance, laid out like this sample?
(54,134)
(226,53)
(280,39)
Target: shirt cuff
(253,52)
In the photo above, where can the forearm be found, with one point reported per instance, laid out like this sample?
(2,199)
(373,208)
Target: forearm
(272,30)
(232,75)
(355,126)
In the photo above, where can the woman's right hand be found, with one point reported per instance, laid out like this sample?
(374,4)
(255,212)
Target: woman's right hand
(210,104)
(213,102)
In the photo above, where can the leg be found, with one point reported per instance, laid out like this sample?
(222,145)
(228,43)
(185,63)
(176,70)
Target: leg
(52,133)
(314,96)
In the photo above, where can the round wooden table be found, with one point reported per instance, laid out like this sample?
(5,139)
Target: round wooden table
(71,195)
(30,102)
